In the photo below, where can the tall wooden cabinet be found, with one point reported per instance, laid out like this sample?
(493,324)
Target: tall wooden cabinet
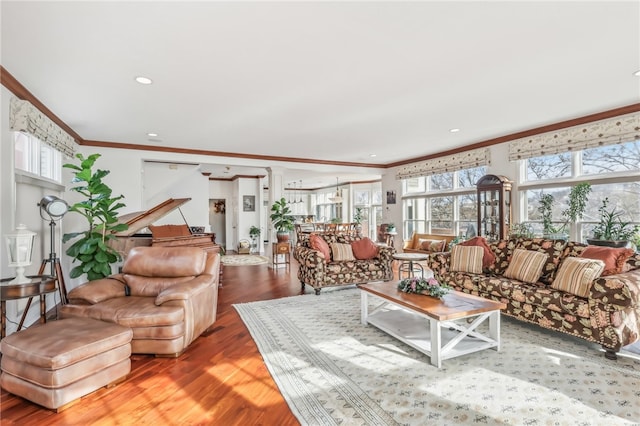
(494,207)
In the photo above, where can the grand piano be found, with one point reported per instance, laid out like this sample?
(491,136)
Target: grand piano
(160,235)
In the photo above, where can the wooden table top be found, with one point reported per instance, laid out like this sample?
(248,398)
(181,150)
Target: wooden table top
(452,306)
(39,284)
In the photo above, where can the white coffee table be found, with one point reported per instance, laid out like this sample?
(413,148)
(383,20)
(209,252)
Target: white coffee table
(439,328)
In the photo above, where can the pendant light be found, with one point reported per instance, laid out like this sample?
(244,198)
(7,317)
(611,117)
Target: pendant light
(337,198)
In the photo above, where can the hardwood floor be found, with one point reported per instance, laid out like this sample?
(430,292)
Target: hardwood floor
(220,380)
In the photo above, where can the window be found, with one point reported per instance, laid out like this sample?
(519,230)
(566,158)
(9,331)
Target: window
(36,157)
(447,204)
(613,172)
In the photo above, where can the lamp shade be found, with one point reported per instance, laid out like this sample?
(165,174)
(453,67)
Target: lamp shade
(19,250)
(54,206)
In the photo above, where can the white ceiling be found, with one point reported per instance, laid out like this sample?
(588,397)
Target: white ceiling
(334,81)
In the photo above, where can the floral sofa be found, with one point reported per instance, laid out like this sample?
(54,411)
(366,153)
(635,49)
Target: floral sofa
(318,271)
(609,314)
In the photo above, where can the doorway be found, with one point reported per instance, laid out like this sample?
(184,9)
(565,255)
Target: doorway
(218,219)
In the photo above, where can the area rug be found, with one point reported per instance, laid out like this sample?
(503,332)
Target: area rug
(332,370)
(243,259)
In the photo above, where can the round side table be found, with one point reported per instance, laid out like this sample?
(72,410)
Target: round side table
(39,285)
(409,263)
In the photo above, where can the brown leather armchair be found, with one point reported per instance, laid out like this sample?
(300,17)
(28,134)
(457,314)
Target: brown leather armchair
(168,296)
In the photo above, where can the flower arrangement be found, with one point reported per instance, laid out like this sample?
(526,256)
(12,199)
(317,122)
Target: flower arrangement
(428,286)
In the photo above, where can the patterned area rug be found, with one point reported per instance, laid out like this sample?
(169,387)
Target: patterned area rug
(243,259)
(334,371)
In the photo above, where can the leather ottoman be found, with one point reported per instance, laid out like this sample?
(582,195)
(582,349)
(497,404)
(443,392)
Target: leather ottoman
(56,363)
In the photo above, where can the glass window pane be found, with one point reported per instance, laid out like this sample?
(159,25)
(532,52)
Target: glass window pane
(441,181)
(442,215)
(361,197)
(414,185)
(549,167)
(612,158)
(22,151)
(415,208)
(377,197)
(469,177)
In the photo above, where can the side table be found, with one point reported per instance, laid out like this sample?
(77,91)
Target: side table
(409,263)
(39,285)
(281,254)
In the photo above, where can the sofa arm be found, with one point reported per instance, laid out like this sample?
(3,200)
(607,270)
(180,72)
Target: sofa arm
(93,292)
(185,290)
(439,263)
(385,253)
(309,256)
(616,292)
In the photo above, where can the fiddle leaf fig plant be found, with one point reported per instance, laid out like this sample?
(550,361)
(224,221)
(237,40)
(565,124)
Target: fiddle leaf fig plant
(99,208)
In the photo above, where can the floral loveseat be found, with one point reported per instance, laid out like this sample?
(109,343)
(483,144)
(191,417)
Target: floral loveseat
(318,270)
(608,314)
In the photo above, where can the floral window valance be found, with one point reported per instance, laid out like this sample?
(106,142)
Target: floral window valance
(24,117)
(450,163)
(622,129)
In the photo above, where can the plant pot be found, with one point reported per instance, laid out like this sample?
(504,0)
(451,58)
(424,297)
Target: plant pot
(607,243)
(282,237)
(556,236)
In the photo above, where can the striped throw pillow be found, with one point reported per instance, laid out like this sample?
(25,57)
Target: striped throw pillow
(466,259)
(526,265)
(576,275)
(341,252)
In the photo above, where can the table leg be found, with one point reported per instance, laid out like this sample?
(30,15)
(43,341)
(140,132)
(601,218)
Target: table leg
(494,328)
(43,309)
(3,309)
(436,343)
(364,307)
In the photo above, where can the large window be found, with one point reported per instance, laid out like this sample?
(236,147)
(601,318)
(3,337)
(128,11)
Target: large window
(36,157)
(442,204)
(613,172)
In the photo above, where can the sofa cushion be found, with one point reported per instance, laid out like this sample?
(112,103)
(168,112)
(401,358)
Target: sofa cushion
(341,252)
(318,243)
(364,249)
(613,258)
(526,265)
(576,275)
(488,257)
(502,249)
(466,259)
(432,246)
(553,248)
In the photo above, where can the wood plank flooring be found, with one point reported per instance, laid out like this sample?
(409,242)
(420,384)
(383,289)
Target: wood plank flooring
(220,380)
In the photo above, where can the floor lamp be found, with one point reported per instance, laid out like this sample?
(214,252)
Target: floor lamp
(55,208)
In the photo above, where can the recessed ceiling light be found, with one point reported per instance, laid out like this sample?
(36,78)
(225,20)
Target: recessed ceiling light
(152,135)
(144,80)
(454,130)
(637,73)
(373,155)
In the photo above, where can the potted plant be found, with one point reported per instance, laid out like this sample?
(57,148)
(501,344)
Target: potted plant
(282,219)
(545,210)
(612,231)
(357,219)
(99,208)
(254,233)
(578,198)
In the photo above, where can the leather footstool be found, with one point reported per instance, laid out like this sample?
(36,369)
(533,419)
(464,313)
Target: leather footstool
(56,363)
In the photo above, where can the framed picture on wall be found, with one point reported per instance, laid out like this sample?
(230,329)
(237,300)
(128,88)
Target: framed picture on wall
(391,197)
(248,203)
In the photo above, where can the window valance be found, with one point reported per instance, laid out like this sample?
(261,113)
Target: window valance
(624,128)
(24,117)
(450,163)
